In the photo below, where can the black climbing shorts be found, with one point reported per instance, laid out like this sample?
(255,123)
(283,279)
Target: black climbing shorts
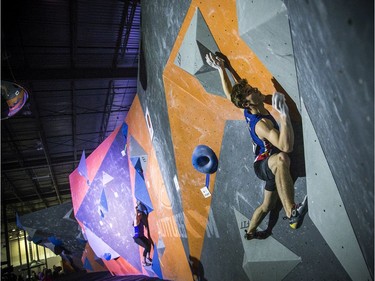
(263,172)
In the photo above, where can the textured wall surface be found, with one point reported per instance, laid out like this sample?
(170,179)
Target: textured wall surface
(177,108)
(336,81)
(54,226)
(264,26)
(197,115)
(158,17)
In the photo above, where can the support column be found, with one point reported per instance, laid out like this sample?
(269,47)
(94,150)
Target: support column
(5,221)
(45,257)
(19,248)
(27,255)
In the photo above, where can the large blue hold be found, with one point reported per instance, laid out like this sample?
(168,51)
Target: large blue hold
(204,159)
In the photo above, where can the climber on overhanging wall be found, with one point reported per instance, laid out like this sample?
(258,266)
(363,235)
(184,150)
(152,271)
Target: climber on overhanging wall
(271,146)
(140,222)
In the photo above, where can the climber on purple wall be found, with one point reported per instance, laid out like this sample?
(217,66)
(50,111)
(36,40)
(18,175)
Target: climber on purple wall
(271,144)
(139,224)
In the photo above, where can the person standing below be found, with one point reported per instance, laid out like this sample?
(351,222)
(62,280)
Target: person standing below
(139,236)
(271,141)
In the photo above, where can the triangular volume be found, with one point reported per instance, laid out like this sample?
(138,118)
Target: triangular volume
(156,265)
(80,238)
(191,55)
(70,215)
(87,265)
(103,202)
(30,231)
(202,51)
(143,160)
(78,188)
(134,161)
(82,167)
(136,151)
(204,35)
(141,192)
(265,259)
(264,271)
(106,178)
(160,247)
(138,167)
(185,58)
(197,43)
(124,130)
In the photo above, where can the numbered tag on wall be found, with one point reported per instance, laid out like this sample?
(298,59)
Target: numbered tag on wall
(206,193)
(149,123)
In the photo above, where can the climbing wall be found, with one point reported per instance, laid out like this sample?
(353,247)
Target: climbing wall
(197,225)
(101,190)
(332,74)
(264,26)
(55,228)
(187,109)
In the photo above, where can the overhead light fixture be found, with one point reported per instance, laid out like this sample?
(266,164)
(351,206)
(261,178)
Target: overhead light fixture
(13,98)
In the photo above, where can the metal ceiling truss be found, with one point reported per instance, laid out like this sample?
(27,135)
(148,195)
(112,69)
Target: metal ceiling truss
(59,75)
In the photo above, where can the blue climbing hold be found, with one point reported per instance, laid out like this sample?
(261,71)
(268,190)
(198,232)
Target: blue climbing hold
(107,256)
(204,159)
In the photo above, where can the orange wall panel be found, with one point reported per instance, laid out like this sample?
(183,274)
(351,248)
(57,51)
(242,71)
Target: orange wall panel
(197,117)
(162,220)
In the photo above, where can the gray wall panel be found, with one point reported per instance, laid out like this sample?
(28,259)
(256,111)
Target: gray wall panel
(198,41)
(264,26)
(238,191)
(333,48)
(161,22)
(236,186)
(326,208)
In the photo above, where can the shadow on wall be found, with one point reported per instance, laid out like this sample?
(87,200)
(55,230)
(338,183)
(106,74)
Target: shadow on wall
(297,166)
(197,269)
(142,69)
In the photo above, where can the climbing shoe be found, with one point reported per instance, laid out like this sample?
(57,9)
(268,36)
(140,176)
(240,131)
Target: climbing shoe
(298,213)
(250,235)
(257,235)
(145,263)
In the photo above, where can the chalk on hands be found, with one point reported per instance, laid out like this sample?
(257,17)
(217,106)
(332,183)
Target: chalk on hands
(213,61)
(278,103)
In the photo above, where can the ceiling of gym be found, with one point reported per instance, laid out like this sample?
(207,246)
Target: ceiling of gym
(78,60)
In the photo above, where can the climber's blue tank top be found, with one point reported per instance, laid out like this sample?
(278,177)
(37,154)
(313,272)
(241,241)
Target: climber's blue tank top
(262,149)
(139,230)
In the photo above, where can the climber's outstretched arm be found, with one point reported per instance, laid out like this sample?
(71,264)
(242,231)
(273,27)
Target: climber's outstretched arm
(219,64)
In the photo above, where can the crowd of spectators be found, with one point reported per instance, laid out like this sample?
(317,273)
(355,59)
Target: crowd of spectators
(46,274)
